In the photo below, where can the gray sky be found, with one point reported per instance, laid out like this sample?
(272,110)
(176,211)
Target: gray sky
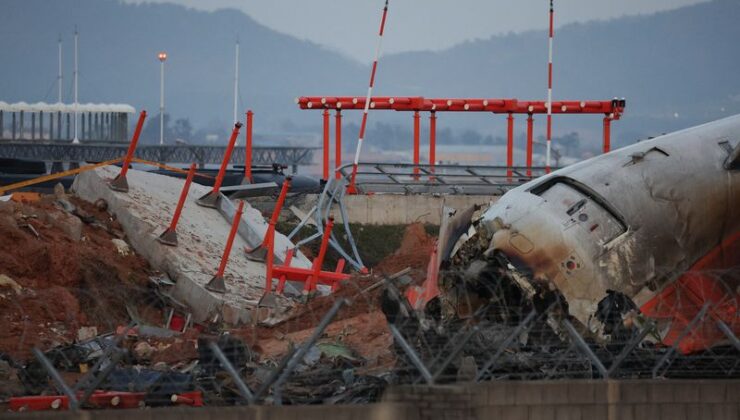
(350,26)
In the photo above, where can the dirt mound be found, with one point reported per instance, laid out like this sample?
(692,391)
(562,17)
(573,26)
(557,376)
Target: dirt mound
(414,252)
(66,281)
(361,325)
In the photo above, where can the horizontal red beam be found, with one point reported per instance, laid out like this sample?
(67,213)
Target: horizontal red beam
(303,274)
(614,107)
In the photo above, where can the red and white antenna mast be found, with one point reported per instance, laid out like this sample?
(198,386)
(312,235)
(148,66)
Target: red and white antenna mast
(363,126)
(549,90)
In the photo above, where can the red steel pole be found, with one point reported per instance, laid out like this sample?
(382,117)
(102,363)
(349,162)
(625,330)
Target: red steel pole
(248,147)
(132,145)
(432,140)
(338,143)
(256,253)
(417,132)
(325,172)
(210,199)
(319,261)
(509,145)
(227,158)
(169,236)
(281,200)
(607,134)
(183,197)
(351,187)
(269,257)
(217,282)
(230,240)
(530,128)
(120,183)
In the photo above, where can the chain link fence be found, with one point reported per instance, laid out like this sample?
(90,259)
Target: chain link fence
(132,346)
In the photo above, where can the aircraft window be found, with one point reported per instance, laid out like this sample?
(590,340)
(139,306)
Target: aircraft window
(578,205)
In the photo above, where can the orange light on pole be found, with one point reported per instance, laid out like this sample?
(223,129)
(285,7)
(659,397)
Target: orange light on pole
(162,56)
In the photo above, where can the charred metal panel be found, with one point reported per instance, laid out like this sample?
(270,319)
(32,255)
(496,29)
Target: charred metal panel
(631,221)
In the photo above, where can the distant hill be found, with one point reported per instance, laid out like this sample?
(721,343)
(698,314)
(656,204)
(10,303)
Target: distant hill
(676,68)
(684,61)
(118,59)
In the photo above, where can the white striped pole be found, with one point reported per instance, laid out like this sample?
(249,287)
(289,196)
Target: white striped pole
(351,186)
(549,91)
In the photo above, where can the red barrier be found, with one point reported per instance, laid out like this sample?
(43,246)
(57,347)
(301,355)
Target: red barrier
(217,282)
(309,276)
(39,403)
(613,108)
(119,183)
(169,236)
(210,199)
(248,148)
(193,399)
(494,105)
(259,252)
(99,399)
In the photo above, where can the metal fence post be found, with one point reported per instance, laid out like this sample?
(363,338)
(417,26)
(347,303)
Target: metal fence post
(243,388)
(412,354)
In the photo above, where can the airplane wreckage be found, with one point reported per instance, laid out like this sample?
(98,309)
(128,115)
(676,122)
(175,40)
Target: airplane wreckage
(645,235)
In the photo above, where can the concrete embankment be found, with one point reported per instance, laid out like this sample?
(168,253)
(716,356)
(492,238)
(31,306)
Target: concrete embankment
(147,209)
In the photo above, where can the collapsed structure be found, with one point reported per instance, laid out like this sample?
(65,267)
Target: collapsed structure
(638,245)
(604,269)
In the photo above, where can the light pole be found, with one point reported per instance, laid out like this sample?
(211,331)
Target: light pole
(59,74)
(236,78)
(76,139)
(162,58)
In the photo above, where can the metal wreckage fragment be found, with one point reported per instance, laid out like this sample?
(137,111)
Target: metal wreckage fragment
(637,248)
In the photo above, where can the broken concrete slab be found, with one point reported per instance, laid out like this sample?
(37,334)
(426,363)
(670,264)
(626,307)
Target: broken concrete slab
(254,228)
(146,210)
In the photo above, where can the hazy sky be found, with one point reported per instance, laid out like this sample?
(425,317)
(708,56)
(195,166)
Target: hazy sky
(349,26)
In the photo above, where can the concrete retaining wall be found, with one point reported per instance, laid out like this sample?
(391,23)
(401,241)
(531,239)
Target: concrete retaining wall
(510,400)
(396,209)
(144,213)
(573,400)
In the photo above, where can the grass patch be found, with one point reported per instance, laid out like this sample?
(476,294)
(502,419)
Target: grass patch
(374,242)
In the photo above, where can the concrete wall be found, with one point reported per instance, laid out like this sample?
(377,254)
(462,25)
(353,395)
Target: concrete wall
(394,209)
(510,400)
(573,400)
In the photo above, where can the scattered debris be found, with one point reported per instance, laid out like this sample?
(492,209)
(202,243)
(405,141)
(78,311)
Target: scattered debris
(7,282)
(84,312)
(86,333)
(121,246)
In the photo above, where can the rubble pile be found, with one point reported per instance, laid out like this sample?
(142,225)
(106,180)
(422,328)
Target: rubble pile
(65,267)
(93,308)
(89,323)
(494,318)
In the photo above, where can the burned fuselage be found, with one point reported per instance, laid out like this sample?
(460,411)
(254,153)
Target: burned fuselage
(633,221)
